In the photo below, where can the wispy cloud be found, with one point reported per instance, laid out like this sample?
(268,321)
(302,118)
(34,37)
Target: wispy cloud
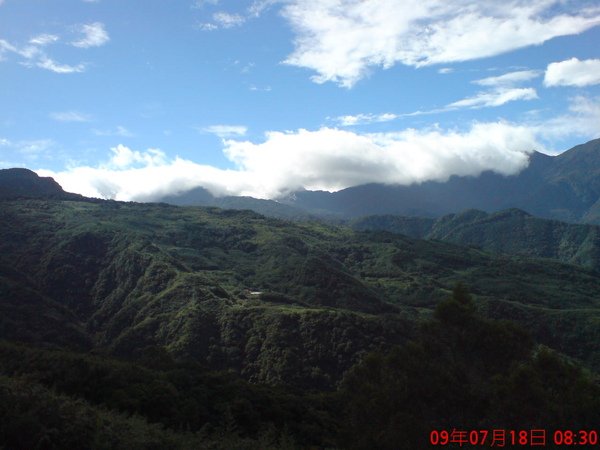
(365,119)
(199,4)
(257,7)
(34,53)
(29,149)
(503,89)
(333,159)
(118,131)
(255,88)
(494,98)
(341,40)
(582,120)
(224,131)
(49,64)
(44,39)
(509,79)
(93,35)
(34,148)
(223,20)
(573,72)
(70,116)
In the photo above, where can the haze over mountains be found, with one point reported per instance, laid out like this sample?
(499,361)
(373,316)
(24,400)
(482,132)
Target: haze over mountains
(564,187)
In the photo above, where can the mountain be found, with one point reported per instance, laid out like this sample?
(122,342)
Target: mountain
(121,277)
(564,187)
(154,326)
(202,197)
(24,183)
(510,231)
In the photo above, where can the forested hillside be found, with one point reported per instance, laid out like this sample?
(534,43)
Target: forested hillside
(513,232)
(226,329)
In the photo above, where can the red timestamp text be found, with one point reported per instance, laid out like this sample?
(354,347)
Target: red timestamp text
(513,438)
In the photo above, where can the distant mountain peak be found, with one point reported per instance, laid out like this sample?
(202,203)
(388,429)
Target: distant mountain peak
(24,183)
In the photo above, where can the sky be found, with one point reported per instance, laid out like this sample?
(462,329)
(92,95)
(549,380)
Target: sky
(136,99)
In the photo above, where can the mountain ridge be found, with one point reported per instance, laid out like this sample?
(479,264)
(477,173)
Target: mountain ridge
(132,322)
(564,187)
(512,231)
(24,183)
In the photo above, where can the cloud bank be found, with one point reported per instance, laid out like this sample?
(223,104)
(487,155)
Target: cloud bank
(328,159)
(331,159)
(341,40)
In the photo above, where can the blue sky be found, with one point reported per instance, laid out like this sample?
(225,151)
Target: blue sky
(136,99)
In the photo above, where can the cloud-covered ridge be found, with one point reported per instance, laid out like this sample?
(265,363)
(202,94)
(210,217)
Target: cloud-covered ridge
(332,159)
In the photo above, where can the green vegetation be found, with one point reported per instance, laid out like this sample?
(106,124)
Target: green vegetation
(153,326)
(463,372)
(511,232)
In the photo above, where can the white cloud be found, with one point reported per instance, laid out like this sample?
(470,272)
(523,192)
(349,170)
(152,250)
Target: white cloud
(29,149)
(199,4)
(445,70)
(225,131)
(208,26)
(573,72)
(49,64)
(257,88)
(332,159)
(259,6)
(118,131)
(509,79)
(224,20)
(329,159)
(34,147)
(582,119)
(33,55)
(70,116)
(4,48)
(502,90)
(123,157)
(94,35)
(494,98)
(365,119)
(341,40)
(227,20)
(44,39)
